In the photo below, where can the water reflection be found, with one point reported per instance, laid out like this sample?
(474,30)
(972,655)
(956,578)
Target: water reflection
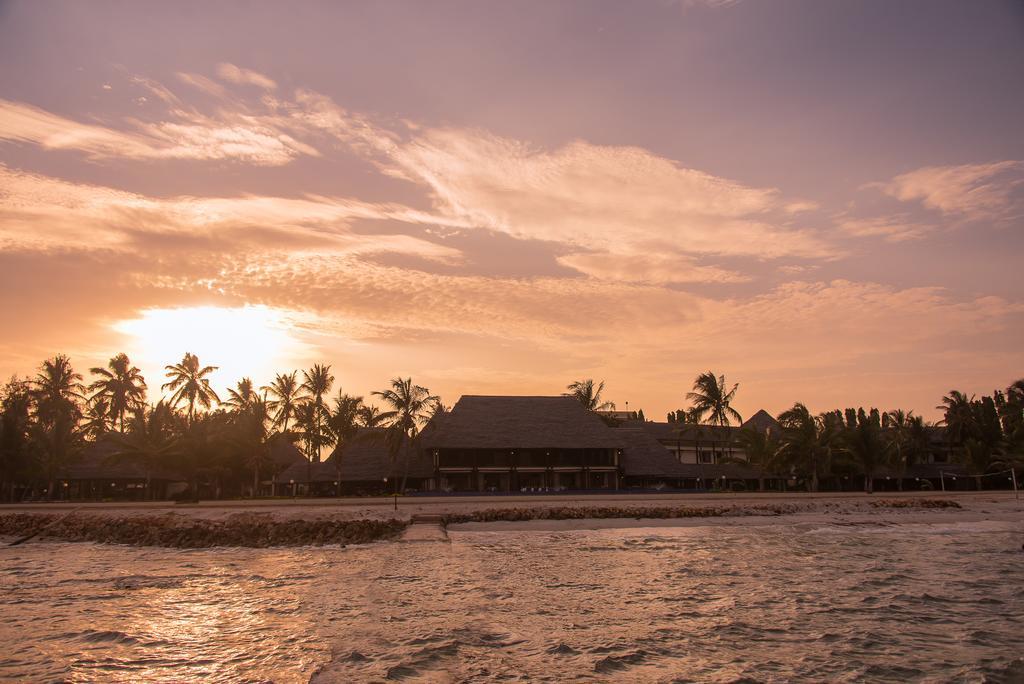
(785,603)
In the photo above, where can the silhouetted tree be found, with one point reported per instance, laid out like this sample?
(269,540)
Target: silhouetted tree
(190,385)
(242,397)
(807,443)
(121,386)
(862,440)
(57,396)
(153,439)
(316,384)
(711,398)
(15,443)
(284,393)
(409,408)
(587,394)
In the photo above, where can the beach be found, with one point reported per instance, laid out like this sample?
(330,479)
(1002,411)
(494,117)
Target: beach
(857,593)
(300,522)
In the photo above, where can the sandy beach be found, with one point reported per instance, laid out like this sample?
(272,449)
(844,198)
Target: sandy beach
(325,521)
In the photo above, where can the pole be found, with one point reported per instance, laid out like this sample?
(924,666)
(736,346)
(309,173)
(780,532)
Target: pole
(942,480)
(1013,476)
(396,501)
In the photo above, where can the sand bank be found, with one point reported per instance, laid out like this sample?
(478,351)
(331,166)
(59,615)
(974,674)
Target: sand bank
(316,523)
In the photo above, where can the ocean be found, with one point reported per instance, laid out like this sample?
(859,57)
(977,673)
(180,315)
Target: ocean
(775,603)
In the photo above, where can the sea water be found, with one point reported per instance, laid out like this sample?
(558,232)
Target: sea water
(812,603)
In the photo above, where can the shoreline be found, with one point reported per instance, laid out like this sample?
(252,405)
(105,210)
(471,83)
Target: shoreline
(316,524)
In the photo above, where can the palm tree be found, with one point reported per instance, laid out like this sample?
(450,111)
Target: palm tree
(316,383)
(57,393)
(1012,413)
(98,420)
(121,385)
(152,438)
(899,426)
(409,407)
(584,392)
(862,440)
(243,397)
(710,397)
(807,442)
(346,416)
(248,431)
(15,443)
(957,415)
(285,390)
(344,422)
(761,450)
(189,383)
(370,416)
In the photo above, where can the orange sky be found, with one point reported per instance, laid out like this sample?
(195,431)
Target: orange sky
(822,201)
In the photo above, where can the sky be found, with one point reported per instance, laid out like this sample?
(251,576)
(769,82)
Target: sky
(822,200)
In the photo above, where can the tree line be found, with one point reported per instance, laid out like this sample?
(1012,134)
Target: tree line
(983,435)
(46,422)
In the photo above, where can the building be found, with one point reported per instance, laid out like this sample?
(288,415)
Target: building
(647,464)
(514,444)
(364,465)
(101,472)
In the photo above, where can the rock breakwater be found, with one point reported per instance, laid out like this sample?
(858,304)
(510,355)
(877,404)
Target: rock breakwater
(179,531)
(668,512)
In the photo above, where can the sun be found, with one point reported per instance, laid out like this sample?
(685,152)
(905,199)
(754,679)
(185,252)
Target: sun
(249,341)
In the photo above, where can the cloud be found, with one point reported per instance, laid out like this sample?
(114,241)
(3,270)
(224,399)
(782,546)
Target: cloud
(974,191)
(234,74)
(25,123)
(889,228)
(202,83)
(607,203)
(37,212)
(200,138)
(649,268)
(621,212)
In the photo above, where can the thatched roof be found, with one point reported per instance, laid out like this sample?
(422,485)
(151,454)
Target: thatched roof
(685,433)
(101,460)
(508,422)
(364,458)
(367,457)
(762,421)
(283,453)
(644,456)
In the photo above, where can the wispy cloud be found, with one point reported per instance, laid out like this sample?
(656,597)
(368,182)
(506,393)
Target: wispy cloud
(188,137)
(610,203)
(38,212)
(974,191)
(234,74)
(889,228)
(652,267)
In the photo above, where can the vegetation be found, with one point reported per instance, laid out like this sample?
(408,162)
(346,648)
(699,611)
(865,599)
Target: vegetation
(985,436)
(712,401)
(409,408)
(222,448)
(227,448)
(587,394)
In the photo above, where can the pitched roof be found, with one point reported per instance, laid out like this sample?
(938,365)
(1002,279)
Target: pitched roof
(508,422)
(283,453)
(684,432)
(101,460)
(365,458)
(643,455)
(762,421)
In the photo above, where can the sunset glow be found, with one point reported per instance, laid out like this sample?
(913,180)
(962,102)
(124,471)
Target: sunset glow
(252,341)
(577,190)
(511,340)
